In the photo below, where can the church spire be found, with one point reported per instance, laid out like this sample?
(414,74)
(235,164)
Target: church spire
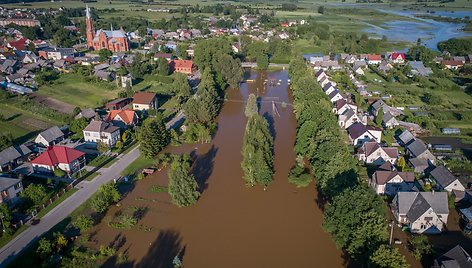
(87,12)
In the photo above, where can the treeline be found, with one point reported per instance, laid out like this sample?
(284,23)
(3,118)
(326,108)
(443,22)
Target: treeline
(258,156)
(354,215)
(219,70)
(456,46)
(276,50)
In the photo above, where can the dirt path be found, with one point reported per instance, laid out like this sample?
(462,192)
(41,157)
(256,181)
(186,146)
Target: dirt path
(53,103)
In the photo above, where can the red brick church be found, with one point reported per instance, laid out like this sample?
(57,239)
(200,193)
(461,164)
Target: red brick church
(115,41)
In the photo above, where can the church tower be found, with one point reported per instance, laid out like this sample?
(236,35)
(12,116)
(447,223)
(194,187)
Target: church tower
(90,32)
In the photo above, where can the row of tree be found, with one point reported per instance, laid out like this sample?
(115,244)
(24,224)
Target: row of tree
(257,149)
(354,215)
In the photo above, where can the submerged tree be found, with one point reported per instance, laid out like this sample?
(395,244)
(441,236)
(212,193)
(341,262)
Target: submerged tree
(257,152)
(183,187)
(387,257)
(251,106)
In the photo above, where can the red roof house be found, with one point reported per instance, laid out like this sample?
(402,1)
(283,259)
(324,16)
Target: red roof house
(397,57)
(122,118)
(19,44)
(182,66)
(374,59)
(64,158)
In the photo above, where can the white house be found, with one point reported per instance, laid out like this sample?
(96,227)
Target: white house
(389,121)
(99,131)
(422,212)
(372,153)
(359,133)
(144,101)
(445,180)
(329,88)
(65,158)
(391,182)
(349,117)
(49,137)
(335,96)
(340,106)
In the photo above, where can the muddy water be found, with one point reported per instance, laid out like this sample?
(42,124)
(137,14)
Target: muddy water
(231,225)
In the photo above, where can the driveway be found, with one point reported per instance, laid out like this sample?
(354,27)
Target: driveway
(59,213)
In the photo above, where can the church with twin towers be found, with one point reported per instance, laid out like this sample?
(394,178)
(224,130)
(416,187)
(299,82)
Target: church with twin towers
(113,40)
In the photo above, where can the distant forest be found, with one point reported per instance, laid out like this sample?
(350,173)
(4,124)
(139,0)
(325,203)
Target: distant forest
(31,1)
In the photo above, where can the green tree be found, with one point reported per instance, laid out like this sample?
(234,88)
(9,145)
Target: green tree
(44,249)
(209,49)
(230,69)
(104,54)
(106,195)
(401,163)
(61,240)
(251,106)
(153,136)
(182,184)
(36,193)
(83,223)
(5,215)
(357,226)
(59,173)
(102,147)
(181,87)
(321,9)
(204,107)
(387,257)
(77,126)
(6,140)
(262,61)
(162,67)
(379,117)
(257,152)
(420,246)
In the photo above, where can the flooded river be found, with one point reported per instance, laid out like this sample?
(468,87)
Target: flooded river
(231,225)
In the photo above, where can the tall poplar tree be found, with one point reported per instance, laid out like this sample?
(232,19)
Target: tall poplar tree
(153,136)
(251,106)
(182,184)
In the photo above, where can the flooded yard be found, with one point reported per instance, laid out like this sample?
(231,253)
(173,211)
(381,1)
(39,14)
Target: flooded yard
(231,225)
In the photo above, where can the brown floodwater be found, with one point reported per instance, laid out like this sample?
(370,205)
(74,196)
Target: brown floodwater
(231,225)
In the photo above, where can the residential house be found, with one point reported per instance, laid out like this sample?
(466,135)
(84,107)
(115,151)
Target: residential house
(86,113)
(324,81)
(418,149)
(329,88)
(13,156)
(49,137)
(359,133)
(452,64)
(396,57)
(392,182)
(320,75)
(385,67)
(144,101)
(418,68)
(122,118)
(445,180)
(335,96)
(99,131)
(340,106)
(118,104)
(419,165)
(350,59)
(182,66)
(374,59)
(59,157)
(10,189)
(406,137)
(349,117)
(422,212)
(167,56)
(372,153)
(105,75)
(459,58)
(389,121)
(327,65)
(358,70)
(457,257)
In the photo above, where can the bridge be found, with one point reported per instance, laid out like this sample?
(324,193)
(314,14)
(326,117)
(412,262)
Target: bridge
(254,65)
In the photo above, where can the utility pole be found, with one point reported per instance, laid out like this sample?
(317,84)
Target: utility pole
(391,232)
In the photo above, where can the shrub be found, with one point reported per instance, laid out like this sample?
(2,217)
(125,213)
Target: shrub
(83,223)
(107,251)
(299,177)
(59,173)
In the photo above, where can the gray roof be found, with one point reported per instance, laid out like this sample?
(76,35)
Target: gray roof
(443,176)
(417,147)
(419,162)
(406,137)
(7,182)
(376,105)
(12,153)
(415,204)
(457,257)
(100,126)
(87,113)
(51,134)
(333,94)
(387,117)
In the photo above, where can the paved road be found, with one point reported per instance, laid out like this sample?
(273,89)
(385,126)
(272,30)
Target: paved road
(56,215)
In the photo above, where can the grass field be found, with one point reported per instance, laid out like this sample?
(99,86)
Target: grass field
(22,125)
(138,164)
(72,89)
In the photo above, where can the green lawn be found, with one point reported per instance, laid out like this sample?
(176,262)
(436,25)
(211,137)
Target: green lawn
(140,163)
(23,125)
(71,88)
(7,238)
(56,202)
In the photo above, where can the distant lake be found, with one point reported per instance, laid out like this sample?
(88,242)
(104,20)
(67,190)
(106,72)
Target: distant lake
(430,31)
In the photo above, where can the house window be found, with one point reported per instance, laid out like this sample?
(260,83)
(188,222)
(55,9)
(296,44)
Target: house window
(17,186)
